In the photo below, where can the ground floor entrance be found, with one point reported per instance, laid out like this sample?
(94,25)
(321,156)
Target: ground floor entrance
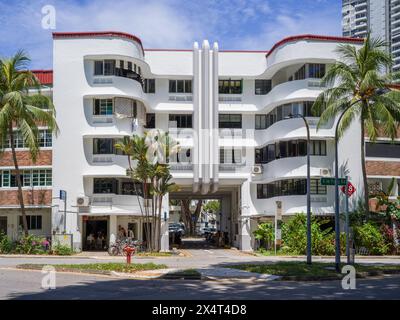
(95,234)
(217,223)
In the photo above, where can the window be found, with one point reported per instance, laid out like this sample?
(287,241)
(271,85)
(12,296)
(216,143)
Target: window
(318,148)
(45,138)
(262,86)
(316,187)
(149,86)
(230,121)
(316,70)
(34,222)
(103,146)
(230,156)
(150,121)
(180,86)
(286,149)
(98,68)
(105,185)
(382,150)
(230,86)
(261,121)
(109,67)
(103,107)
(300,74)
(180,120)
(29,178)
(280,112)
(289,187)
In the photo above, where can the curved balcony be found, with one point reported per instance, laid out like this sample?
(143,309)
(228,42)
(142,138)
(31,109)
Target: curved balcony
(292,129)
(320,205)
(114,86)
(286,92)
(115,204)
(292,167)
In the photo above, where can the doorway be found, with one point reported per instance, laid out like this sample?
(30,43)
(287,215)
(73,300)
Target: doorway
(3,225)
(96,235)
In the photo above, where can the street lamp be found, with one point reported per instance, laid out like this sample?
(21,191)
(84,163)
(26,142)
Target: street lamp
(291,116)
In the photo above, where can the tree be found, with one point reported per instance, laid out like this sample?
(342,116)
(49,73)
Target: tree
(189,216)
(149,153)
(21,113)
(358,89)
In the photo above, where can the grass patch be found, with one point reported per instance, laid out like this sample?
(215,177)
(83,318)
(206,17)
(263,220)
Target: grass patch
(316,271)
(99,267)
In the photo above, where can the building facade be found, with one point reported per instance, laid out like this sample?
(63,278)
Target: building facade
(380,17)
(37,178)
(231,112)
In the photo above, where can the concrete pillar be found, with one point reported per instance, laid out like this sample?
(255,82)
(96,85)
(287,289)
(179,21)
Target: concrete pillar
(245,237)
(113,230)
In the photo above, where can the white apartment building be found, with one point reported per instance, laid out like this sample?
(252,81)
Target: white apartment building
(380,17)
(229,110)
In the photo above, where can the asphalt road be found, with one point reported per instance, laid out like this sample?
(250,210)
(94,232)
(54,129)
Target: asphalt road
(26,285)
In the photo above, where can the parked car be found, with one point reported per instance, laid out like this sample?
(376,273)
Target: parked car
(177,227)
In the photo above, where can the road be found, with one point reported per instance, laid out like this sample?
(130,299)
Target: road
(26,285)
(23,284)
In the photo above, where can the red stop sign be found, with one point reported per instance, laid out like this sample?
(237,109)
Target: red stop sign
(350,189)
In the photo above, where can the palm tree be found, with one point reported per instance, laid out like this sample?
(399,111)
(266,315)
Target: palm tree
(359,88)
(22,113)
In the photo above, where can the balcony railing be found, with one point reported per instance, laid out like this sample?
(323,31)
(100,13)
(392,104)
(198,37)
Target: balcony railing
(181,167)
(231,166)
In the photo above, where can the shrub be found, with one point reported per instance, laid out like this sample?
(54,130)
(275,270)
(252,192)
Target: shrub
(61,250)
(31,245)
(368,236)
(265,233)
(294,236)
(6,245)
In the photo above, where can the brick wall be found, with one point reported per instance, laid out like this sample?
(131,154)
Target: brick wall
(383,168)
(44,158)
(35,197)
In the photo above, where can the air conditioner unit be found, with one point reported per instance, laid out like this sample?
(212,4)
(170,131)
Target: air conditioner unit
(258,169)
(325,172)
(82,201)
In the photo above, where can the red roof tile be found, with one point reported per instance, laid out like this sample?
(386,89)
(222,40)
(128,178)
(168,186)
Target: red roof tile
(44,76)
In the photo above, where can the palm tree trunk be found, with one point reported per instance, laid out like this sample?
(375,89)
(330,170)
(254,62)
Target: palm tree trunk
(159,221)
(363,167)
(18,177)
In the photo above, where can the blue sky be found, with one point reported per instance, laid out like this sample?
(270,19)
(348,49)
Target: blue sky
(234,24)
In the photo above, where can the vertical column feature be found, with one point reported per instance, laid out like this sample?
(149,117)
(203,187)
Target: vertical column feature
(205,118)
(214,132)
(196,117)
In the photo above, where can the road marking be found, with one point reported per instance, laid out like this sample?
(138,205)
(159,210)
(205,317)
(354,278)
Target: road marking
(208,251)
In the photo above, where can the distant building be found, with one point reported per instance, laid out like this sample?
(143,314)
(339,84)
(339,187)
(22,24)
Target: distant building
(381,17)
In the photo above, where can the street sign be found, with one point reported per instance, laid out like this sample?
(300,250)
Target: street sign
(331,181)
(63,195)
(350,189)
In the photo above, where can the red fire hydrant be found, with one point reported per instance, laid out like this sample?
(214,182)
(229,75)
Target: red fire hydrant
(128,252)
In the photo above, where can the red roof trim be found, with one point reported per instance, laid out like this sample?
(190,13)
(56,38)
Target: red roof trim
(315,38)
(45,77)
(114,34)
(189,50)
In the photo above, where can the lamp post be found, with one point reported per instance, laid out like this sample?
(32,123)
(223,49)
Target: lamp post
(309,253)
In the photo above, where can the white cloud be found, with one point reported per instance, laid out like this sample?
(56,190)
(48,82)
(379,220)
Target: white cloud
(236,24)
